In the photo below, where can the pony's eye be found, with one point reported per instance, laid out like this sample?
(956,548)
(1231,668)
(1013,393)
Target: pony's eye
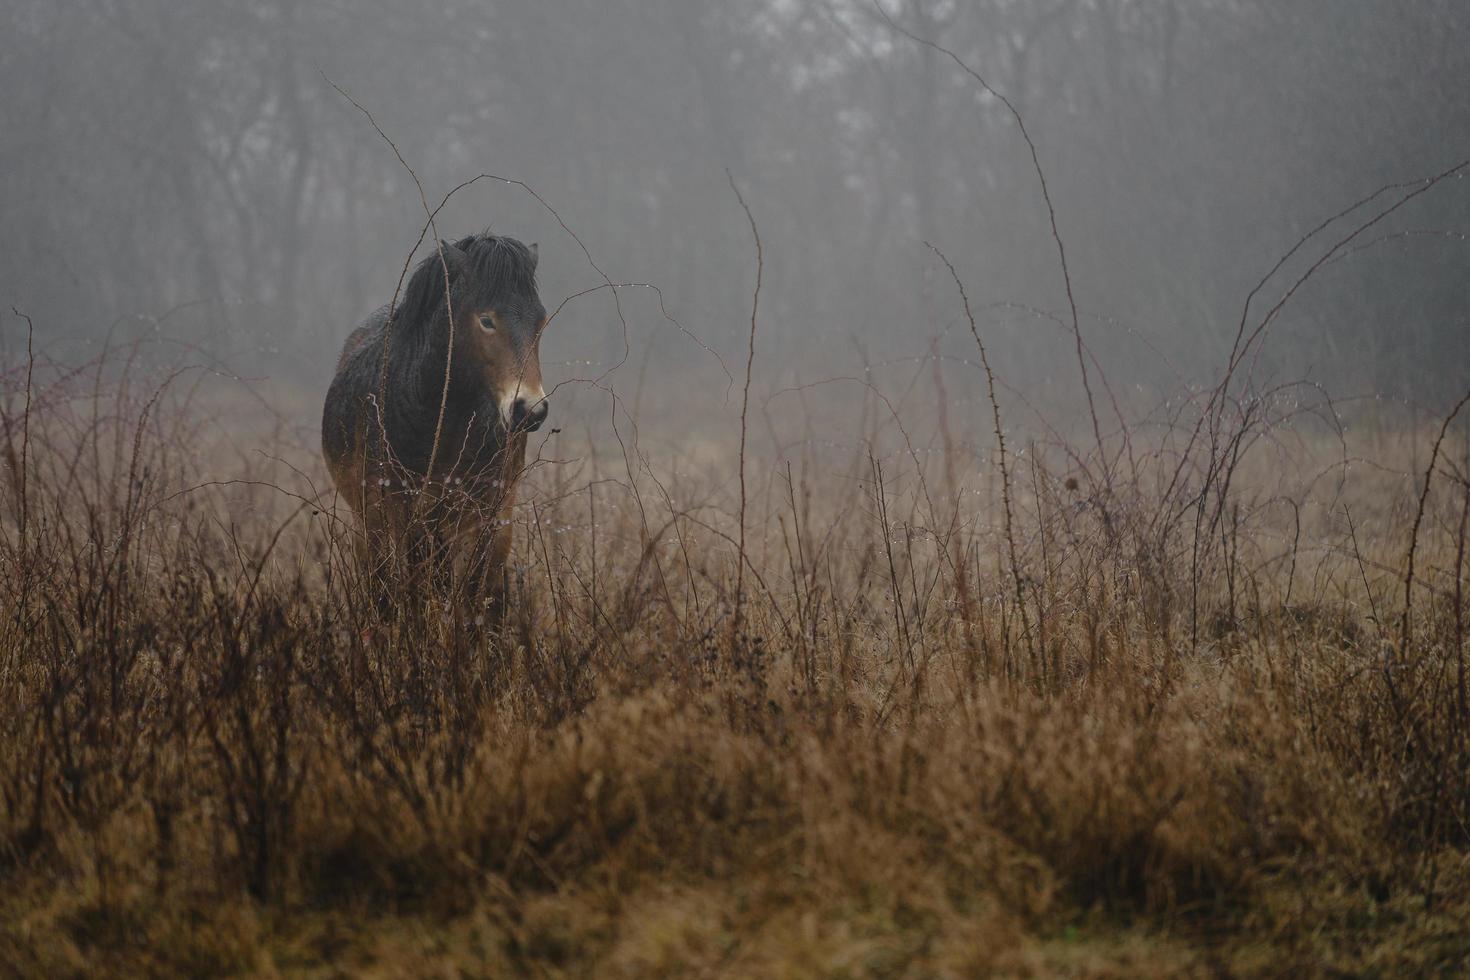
(487,321)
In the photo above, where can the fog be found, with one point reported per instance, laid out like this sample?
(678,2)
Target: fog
(198,174)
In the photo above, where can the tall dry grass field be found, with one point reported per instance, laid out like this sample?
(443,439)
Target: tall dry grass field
(1183,696)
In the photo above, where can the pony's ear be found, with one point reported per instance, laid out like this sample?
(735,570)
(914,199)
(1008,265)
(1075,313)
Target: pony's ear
(455,258)
(423,297)
(535,251)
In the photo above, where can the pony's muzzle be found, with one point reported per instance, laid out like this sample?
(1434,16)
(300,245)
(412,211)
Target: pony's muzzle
(527,416)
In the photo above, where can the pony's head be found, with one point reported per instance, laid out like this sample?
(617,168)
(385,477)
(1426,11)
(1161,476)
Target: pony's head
(498,319)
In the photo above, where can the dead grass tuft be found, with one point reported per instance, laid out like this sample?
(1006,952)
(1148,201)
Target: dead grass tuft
(1180,728)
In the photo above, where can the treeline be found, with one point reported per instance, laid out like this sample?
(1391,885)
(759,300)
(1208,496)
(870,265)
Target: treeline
(195,163)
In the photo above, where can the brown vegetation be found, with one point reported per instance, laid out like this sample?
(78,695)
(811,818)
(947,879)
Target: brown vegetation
(1158,725)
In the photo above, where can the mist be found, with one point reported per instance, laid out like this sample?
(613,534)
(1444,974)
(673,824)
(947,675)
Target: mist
(227,177)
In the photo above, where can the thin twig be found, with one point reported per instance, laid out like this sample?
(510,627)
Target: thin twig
(444,268)
(760,265)
(1051,213)
(1000,441)
(25,430)
(1419,519)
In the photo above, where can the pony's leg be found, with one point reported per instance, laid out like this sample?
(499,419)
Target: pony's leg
(356,482)
(497,586)
(396,548)
(377,557)
(438,565)
(485,582)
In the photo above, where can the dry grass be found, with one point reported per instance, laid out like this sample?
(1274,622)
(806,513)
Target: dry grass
(1177,721)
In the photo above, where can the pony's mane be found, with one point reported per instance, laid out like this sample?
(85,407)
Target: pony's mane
(493,267)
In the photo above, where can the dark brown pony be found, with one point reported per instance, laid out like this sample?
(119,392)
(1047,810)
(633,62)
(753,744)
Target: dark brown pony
(424,427)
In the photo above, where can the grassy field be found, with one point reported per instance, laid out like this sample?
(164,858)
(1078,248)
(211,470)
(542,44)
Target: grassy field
(1192,703)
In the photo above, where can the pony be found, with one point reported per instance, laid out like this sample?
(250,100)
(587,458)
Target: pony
(425,422)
